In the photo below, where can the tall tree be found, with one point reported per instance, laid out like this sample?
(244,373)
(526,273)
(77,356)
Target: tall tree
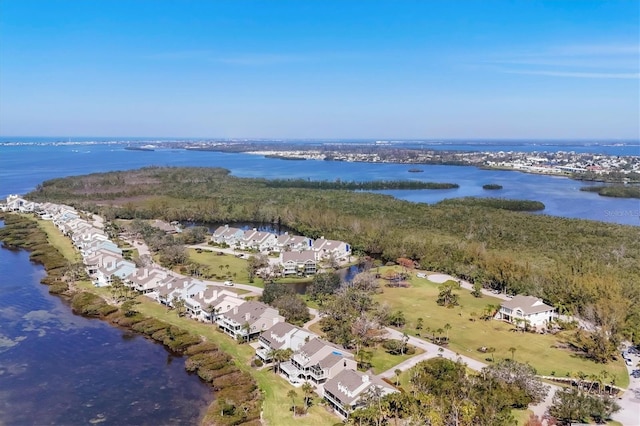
(293,395)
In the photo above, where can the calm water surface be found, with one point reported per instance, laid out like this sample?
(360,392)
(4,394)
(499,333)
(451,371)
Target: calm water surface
(59,368)
(24,167)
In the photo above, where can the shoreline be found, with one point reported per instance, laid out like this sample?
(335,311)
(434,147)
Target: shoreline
(115,317)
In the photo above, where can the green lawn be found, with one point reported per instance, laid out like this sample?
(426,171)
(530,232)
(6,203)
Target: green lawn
(228,266)
(466,336)
(223,267)
(276,403)
(381,360)
(59,241)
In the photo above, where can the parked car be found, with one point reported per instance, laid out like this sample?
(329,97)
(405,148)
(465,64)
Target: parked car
(228,283)
(628,361)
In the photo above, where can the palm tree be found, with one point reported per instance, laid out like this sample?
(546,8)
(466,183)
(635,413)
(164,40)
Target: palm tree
(439,331)
(292,394)
(397,372)
(447,327)
(246,328)
(604,374)
(513,351)
(419,325)
(213,313)
(178,304)
(491,350)
(428,331)
(279,356)
(307,389)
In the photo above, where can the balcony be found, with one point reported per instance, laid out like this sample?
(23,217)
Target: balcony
(264,354)
(317,372)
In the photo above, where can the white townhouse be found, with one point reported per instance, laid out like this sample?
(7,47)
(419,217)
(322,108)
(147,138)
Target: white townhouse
(281,242)
(83,239)
(286,242)
(100,245)
(101,259)
(324,248)
(299,243)
(122,269)
(227,235)
(169,289)
(17,203)
(147,279)
(346,391)
(215,301)
(281,336)
(72,226)
(248,320)
(298,263)
(526,309)
(317,360)
(258,240)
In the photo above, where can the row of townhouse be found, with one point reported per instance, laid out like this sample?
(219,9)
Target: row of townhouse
(15,203)
(268,242)
(331,369)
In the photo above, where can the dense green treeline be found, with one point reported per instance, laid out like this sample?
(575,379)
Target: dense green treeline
(357,186)
(496,203)
(618,191)
(580,266)
(491,186)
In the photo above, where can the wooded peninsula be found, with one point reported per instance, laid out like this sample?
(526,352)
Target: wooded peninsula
(617,191)
(582,267)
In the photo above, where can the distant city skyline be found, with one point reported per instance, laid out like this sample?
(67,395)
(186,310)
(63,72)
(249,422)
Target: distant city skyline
(543,70)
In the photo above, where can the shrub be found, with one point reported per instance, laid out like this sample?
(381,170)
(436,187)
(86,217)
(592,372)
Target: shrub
(58,287)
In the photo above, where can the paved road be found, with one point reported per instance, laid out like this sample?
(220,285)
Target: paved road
(629,415)
(431,351)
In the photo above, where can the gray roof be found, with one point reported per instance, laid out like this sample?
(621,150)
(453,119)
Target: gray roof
(330,360)
(527,304)
(349,385)
(254,309)
(278,330)
(304,256)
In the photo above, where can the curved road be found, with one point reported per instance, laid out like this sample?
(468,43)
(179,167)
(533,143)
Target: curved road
(629,414)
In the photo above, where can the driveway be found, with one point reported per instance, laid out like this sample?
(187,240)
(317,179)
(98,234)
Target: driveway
(629,414)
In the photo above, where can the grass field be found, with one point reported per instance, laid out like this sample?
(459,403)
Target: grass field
(382,360)
(228,266)
(59,241)
(276,403)
(466,336)
(223,267)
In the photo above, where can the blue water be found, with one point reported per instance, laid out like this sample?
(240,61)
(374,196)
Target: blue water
(59,368)
(23,167)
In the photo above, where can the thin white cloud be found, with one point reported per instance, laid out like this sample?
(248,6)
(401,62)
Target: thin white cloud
(574,74)
(597,50)
(601,61)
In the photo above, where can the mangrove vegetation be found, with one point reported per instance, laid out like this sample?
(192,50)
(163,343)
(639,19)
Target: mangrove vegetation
(618,191)
(238,399)
(581,267)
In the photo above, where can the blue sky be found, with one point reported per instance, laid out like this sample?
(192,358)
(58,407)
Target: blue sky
(321,69)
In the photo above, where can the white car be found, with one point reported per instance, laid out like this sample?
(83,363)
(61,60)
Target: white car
(228,283)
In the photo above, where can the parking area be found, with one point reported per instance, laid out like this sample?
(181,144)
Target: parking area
(629,413)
